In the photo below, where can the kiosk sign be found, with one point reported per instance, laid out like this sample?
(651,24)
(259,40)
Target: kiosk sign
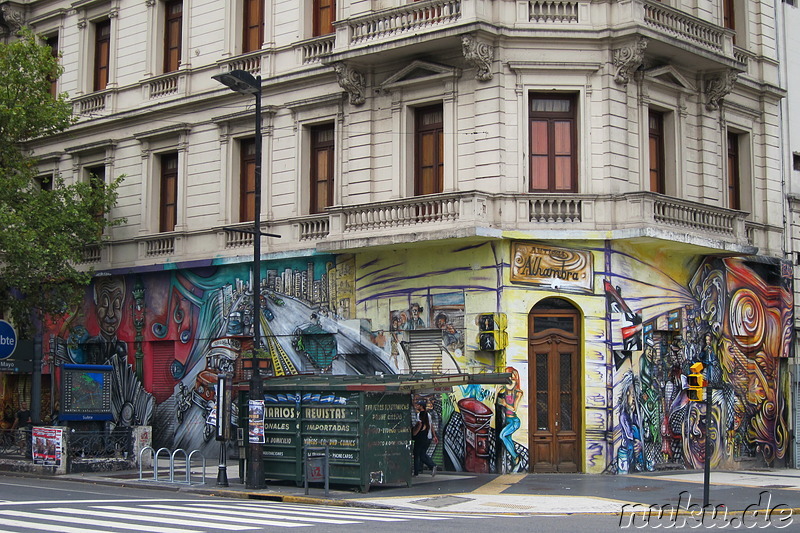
(8,339)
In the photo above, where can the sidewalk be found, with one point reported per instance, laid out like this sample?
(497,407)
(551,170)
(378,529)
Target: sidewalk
(506,494)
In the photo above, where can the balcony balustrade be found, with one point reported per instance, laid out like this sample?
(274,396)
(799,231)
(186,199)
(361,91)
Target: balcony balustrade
(441,216)
(166,85)
(404,20)
(91,104)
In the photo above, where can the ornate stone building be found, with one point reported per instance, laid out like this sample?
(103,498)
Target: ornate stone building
(603,178)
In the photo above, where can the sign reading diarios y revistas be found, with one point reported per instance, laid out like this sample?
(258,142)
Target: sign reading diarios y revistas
(547,266)
(8,339)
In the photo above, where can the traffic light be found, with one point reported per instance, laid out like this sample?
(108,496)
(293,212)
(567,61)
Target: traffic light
(697,383)
(491,331)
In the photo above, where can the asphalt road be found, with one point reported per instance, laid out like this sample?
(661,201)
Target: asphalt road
(33,504)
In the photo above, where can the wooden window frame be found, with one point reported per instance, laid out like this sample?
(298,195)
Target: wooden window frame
(252,25)
(320,147)
(52,42)
(729,14)
(552,119)
(424,133)
(168,187)
(656,150)
(322,24)
(102,54)
(734,172)
(173,35)
(247,179)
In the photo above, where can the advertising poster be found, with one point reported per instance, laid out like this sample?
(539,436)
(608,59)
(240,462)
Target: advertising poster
(47,446)
(256,418)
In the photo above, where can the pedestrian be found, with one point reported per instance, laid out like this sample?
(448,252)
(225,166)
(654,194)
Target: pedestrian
(23,424)
(22,420)
(422,433)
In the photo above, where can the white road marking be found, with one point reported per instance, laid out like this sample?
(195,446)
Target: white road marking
(89,522)
(267,512)
(360,513)
(62,529)
(133,516)
(174,512)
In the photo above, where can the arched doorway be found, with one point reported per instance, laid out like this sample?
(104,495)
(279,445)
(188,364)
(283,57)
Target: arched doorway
(554,385)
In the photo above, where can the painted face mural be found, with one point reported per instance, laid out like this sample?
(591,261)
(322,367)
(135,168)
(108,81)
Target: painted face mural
(737,323)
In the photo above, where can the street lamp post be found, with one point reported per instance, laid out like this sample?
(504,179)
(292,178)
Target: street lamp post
(243,82)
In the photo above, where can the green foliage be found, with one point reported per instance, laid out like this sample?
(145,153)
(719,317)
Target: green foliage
(43,233)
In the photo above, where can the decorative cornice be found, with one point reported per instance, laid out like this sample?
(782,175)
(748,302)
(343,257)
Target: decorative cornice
(352,81)
(628,59)
(718,87)
(479,55)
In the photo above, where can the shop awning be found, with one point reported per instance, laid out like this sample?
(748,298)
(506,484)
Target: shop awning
(382,383)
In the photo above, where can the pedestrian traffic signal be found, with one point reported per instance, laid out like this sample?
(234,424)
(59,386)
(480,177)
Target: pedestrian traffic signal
(697,383)
(491,331)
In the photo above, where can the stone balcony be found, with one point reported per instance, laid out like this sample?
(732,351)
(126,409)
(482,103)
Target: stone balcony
(414,28)
(461,215)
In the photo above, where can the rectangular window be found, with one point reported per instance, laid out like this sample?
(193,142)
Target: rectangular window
(553,143)
(324,15)
(322,155)
(172,34)
(734,177)
(96,176)
(253,31)
(45,182)
(102,53)
(656,156)
(52,43)
(168,214)
(728,15)
(247,180)
(429,150)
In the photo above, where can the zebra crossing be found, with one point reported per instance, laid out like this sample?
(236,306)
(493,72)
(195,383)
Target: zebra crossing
(193,516)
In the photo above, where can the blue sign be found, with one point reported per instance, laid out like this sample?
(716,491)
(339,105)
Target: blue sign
(8,339)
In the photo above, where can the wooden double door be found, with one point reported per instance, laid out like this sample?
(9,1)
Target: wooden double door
(554,385)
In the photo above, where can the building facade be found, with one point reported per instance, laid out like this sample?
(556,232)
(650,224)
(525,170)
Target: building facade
(586,194)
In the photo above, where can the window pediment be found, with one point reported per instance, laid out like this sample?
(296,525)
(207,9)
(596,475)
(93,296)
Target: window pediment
(419,72)
(669,75)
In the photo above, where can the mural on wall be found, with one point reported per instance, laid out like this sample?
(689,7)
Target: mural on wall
(646,319)
(169,333)
(736,320)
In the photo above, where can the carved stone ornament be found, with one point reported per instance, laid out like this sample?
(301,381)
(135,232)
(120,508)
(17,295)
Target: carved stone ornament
(13,18)
(479,55)
(719,87)
(352,81)
(628,59)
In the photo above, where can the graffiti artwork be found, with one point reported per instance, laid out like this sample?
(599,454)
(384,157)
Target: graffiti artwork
(643,320)
(738,325)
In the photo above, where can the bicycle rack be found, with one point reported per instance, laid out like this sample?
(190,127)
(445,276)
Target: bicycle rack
(187,458)
(155,462)
(189,467)
(141,452)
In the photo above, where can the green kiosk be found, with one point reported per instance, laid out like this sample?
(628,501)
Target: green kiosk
(363,422)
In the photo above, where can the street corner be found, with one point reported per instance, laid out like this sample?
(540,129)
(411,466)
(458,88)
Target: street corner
(476,503)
